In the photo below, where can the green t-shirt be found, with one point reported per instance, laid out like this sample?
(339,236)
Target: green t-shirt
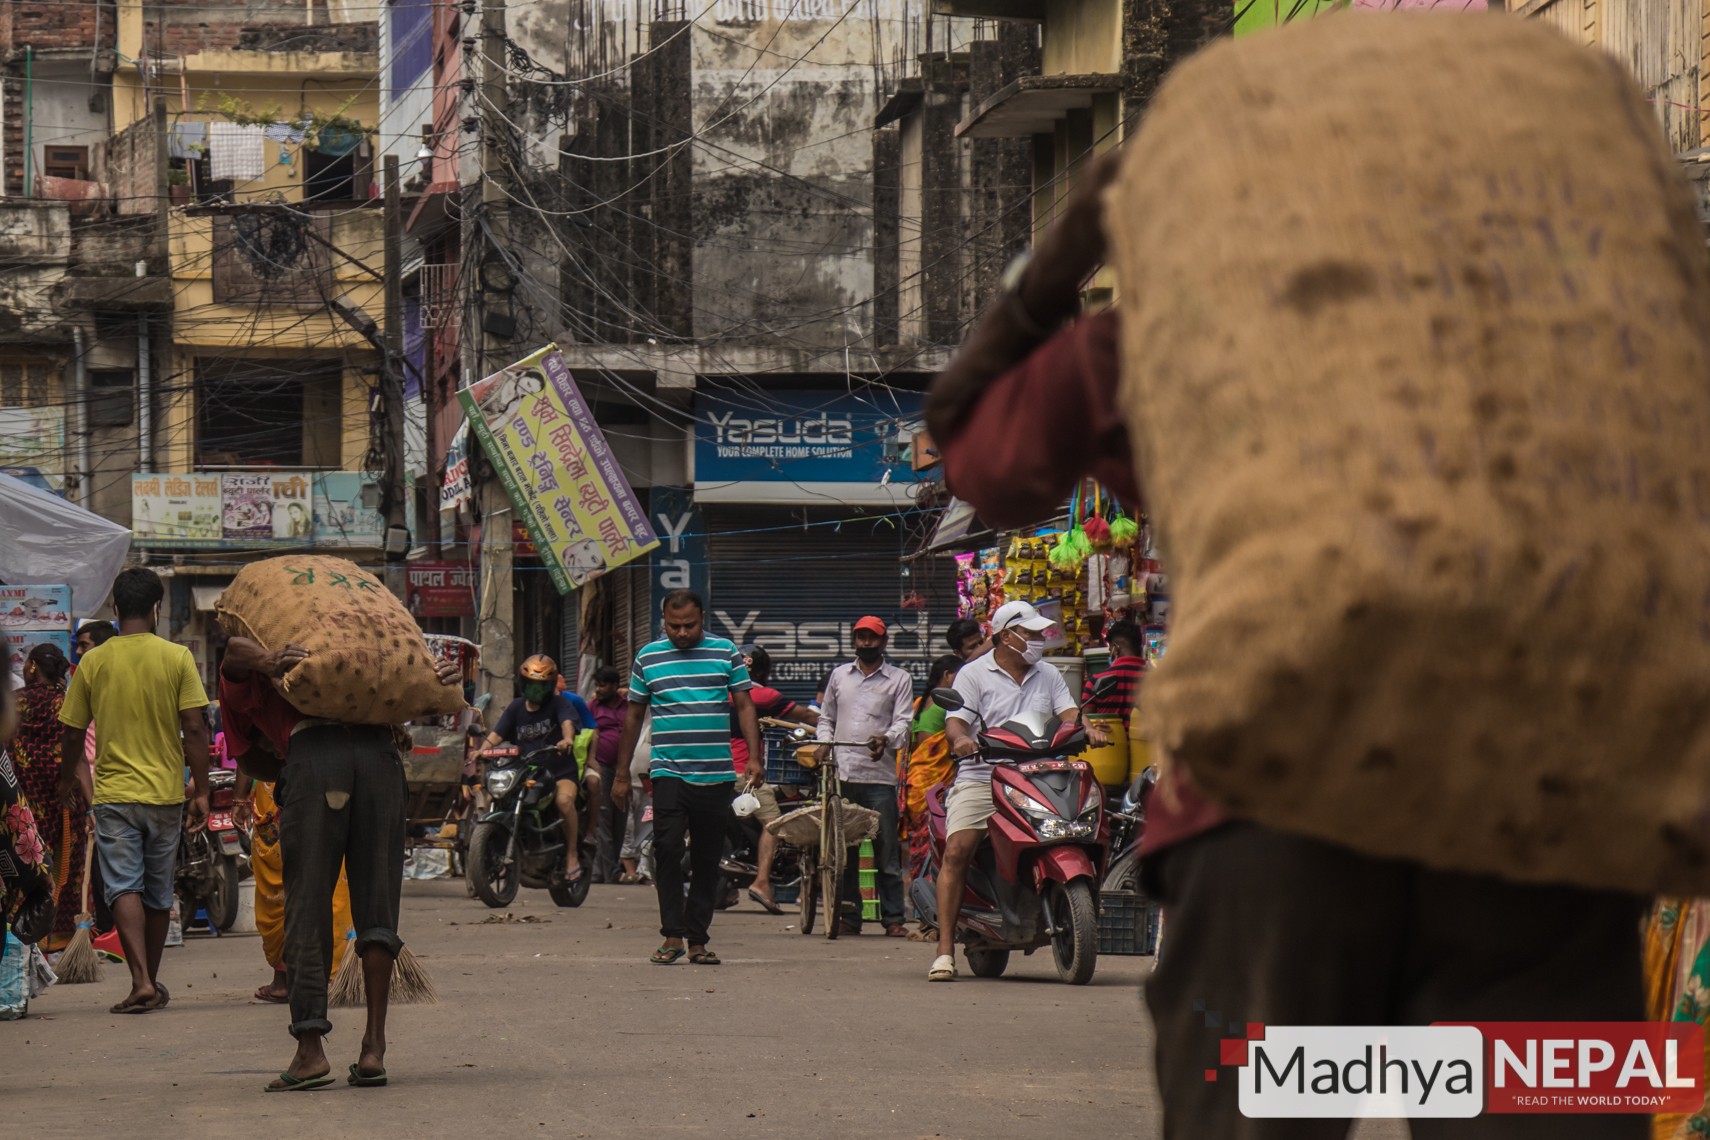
(929,720)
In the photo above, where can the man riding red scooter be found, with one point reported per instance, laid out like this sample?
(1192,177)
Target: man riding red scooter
(1013,723)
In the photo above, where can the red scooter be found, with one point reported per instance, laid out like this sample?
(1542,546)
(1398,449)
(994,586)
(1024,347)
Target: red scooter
(1034,881)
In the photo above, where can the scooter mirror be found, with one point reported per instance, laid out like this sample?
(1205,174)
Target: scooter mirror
(947,699)
(1106,685)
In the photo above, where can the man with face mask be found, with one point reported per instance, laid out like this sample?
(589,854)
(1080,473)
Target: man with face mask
(1010,680)
(149,699)
(871,701)
(544,718)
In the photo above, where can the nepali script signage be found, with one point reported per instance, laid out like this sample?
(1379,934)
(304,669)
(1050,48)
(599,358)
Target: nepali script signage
(558,469)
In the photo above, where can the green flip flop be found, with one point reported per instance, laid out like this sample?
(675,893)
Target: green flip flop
(668,955)
(299,1084)
(366,1082)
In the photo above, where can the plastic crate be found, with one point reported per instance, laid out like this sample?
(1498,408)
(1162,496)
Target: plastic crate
(1127,924)
(869,882)
(787,894)
(869,910)
(865,854)
(781,767)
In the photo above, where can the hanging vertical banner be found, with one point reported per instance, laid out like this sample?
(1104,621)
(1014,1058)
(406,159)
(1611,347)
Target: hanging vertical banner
(557,468)
(680,562)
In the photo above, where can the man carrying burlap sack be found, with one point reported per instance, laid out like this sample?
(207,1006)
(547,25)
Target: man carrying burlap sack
(1409,361)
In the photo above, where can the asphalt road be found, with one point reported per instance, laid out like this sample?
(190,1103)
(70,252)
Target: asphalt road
(560,1027)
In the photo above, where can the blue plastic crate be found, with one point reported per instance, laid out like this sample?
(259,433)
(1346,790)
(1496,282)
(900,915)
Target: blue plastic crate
(781,767)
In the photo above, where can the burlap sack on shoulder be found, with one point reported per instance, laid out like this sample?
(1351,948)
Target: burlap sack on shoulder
(1416,359)
(367,663)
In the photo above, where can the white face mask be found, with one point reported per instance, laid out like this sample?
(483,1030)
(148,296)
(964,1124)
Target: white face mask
(1033,652)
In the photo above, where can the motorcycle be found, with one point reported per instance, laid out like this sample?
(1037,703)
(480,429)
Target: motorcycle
(520,841)
(1126,821)
(209,860)
(1034,881)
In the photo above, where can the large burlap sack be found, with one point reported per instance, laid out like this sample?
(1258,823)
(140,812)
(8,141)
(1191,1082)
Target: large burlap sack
(367,661)
(1416,356)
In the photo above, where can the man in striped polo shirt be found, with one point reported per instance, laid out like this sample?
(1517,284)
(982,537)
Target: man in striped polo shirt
(692,683)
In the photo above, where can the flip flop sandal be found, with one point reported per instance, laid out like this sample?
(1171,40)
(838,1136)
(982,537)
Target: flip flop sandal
(161,997)
(364,1081)
(771,907)
(261,994)
(667,955)
(299,1084)
(134,1007)
(704,958)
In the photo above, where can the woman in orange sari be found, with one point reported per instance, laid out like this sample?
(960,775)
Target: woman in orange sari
(1677,985)
(35,755)
(928,765)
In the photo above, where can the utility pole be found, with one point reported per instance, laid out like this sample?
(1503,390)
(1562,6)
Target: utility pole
(392,383)
(496,619)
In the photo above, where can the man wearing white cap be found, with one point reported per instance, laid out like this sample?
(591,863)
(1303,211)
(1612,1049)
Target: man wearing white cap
(1012,679)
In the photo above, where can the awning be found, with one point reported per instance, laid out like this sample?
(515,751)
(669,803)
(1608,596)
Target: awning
(206,596)
(1034,104)
(52,541)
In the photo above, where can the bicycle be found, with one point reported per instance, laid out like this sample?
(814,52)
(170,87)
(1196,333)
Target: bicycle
(822,857)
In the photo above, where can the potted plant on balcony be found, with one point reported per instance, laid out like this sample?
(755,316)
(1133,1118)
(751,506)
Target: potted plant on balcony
(178,186)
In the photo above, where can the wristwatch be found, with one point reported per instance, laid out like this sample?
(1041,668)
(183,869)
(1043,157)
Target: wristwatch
(1013,305)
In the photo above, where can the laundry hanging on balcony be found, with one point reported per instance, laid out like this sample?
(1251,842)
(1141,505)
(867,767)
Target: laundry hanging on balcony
(236,152)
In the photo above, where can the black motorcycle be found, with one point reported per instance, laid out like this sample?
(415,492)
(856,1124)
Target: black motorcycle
(210,859)
(740,865)
(520,842)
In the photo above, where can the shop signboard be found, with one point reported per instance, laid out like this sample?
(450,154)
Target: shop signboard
(32,447)
(680,562)
(458,490)
(561,475)
(35,607)
(347,510)
(256,509)
(19,642)
(440,589)
(833,445)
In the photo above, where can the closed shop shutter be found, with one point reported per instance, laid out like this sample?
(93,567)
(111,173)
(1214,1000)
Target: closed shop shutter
(797,592)
(570,637)
(626,583)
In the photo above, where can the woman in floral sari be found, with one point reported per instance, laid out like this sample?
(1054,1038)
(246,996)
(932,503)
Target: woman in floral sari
(929,765)
(35,755)
(24,869)
(1677,984)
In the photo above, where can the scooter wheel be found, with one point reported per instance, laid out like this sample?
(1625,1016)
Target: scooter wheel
(987,963)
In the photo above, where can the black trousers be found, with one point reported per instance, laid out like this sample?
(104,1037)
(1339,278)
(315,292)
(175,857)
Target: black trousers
(609,823)
(1263,926)
(696,812)
(341,801)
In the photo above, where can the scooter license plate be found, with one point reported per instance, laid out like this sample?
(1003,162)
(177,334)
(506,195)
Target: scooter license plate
(220,821)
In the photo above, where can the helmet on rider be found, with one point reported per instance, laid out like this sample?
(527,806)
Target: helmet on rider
(537,677)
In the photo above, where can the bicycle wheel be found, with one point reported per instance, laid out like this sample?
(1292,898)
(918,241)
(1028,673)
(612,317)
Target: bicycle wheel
(808,886)
(832,857)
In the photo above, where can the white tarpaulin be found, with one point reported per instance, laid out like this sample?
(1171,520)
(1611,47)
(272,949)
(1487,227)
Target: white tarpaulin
(46,539)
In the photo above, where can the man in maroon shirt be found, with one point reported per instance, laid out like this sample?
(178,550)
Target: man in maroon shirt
(1266,926)
(768,702)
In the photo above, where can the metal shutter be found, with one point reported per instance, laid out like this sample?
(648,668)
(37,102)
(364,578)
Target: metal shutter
(796,592)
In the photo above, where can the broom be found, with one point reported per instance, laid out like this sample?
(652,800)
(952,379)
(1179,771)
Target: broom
(78,963)
(411,984)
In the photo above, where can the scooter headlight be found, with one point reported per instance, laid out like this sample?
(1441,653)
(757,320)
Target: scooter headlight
(1028,804)
(500,781)
(1056,828)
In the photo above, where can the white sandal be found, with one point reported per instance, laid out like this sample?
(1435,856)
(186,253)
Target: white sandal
(943,969)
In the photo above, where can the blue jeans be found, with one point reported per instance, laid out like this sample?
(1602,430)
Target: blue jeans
(137,846)
(887,855)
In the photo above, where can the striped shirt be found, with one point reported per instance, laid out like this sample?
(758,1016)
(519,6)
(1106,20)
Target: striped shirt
(689,693)
(1117,702)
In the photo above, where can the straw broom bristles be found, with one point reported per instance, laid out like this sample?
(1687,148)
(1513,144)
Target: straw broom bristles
(411,984)
(78,964)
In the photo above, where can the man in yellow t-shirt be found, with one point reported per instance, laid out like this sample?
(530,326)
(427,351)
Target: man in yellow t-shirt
(149,700)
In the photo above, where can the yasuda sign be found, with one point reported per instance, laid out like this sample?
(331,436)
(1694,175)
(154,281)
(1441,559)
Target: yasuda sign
(792,445)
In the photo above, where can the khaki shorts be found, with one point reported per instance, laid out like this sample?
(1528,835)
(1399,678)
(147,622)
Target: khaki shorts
(768,809)
(967,807)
